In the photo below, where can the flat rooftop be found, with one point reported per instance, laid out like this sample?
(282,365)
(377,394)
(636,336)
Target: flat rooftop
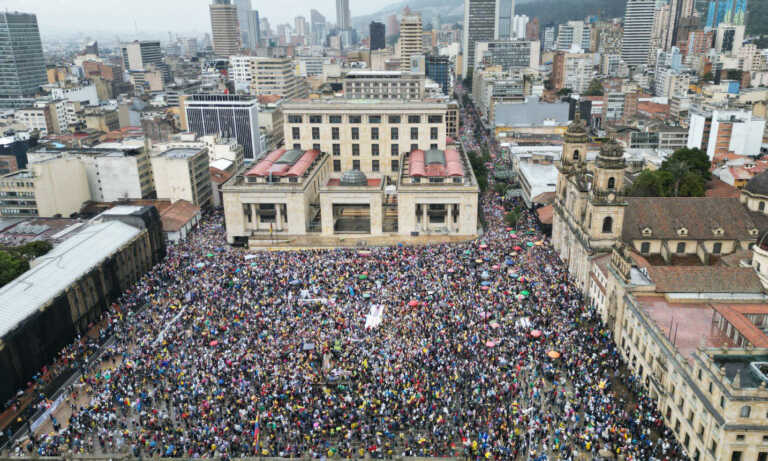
(180,153)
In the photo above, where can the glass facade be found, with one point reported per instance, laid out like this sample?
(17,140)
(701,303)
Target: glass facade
(479,26)
(228,116)
(438,69)
(22,67)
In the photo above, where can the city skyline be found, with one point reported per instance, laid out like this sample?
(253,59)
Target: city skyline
(119,18)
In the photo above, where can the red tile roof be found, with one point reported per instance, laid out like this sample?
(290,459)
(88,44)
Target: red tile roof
(545,214)
(718,188)
(178,215)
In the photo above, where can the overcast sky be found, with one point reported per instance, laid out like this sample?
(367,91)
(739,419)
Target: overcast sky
(181,16)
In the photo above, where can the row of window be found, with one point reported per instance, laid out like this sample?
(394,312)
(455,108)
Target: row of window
(336,149)
(373,119)
(394,133)
(645,248)
(375,165)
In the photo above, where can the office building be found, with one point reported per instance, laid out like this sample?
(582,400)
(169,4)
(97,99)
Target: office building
(378,36)
(254,30)
(319,28)
(138,55)
(244,20)
(480,25)
(300,26)
(228,116)
(363,136)
(438,69)
(508,54)
(549,38)
(638,28)
(276,76)
(365,84)
(183,174)
(519,26)
(225,28)
(343,20)
(411,40)
(505,14)
(574,34)
(729,38)
(22,71)
(572,70)
(725,132)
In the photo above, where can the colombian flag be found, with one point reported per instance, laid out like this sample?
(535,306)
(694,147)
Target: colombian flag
(256,430)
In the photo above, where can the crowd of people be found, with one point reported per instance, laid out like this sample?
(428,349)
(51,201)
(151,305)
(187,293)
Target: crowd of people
(484,350)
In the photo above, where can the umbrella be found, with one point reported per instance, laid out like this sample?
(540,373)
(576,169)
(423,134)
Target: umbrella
(214,343)
(530,244)
(484,287)
(495,267)
(451,271)
(553,355)
(514,253)
(479,261)
(483,246)
(509,261)
(413,303)
(525,292)
(495,325)
(539,243)
(210,255)
(536,333)
(485,283)
(514,236)
(490,343)
(308,347)
(521,279)
(467,252)
(485,275)
(517,248)
(362,277)
(509,229)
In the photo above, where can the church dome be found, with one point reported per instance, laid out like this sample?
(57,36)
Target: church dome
(353,178)
(576,132)
(611,149)
(758,185)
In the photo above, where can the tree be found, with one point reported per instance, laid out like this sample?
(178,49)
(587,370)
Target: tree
(11,267)
(35,249)
(595,88)
(708,77)
(651,184)
(682,174)
(512,217)
(696,159)
(564,92)
(500,188)
(678,169)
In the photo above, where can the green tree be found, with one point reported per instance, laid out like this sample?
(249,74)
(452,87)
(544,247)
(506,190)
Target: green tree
(678,169)
(652,184)
(512,217)
(500,188)
(564,92)
(35,249)
(595,88)
(696,159)
(11,267)
(692,185)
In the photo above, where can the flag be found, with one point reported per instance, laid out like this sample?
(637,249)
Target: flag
(256,430)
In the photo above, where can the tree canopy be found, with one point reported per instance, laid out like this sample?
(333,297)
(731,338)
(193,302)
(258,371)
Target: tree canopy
(14,261)
(682,174)
(595,88)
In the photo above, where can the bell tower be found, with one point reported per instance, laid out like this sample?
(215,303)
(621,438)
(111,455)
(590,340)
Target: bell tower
(575,144)
(605,208)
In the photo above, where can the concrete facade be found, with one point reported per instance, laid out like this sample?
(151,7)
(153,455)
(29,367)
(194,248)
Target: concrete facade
(183,174)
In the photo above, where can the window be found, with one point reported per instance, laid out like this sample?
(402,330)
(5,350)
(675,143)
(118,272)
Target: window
(374,133)
(736,456)
(717,248)
(611,183)
(355,164)
(315,132)
(315,119)
(355,119)
(356,149)
(745,411)
(316,147)
(334,118)
(393,133)
(374,119)
(296,132)
(645,247)
(335,132)
(433,133)
(294,119)
(297,146)
(414,147)
(435,119)
(433,146)
(607,225)
(681,247)
(761,206)
(355,133)
(762,456)
(375,165)
(722,402)
(337,149)
(337,165)
(375,150)
(687,442)
(414,119)
(395,149)
(576,154)
(740,437)
(394,119)
(395,165)
(710,387)
(414,133)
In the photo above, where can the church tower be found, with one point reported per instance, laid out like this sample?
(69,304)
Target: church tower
(574,155)
(605,207)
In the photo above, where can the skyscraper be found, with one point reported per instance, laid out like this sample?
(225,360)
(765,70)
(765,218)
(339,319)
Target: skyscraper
(438,69)
(378,36)
(343,20)
(319,29)
(254,30)
(505,13)
(300,26)
(243,18)
(22,68)
(480,25)
(411,40)
(638,29)
(225,28)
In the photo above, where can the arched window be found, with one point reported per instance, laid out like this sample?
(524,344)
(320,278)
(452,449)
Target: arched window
(607,225)
(576,154)
(745,411)
(761,207)
(611,183)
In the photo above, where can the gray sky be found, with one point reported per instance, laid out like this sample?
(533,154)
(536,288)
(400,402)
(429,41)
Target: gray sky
(182,16)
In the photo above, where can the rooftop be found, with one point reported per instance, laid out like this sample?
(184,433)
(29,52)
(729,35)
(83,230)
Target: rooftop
(178,215)
(179,153)
(705,279)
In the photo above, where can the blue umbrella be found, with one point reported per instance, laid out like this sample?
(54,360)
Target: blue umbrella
(486,283)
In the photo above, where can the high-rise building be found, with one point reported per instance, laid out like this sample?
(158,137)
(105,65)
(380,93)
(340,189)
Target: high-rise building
(244,20)
(573,71)
(225,28)
(638,28)
(480,25)
(411,40)
(508,54)
(549,37)
(574,33)
(532,30)
(438,69)
(22,68)
(519,24)
(254,30)
(138,54)
(726,11)
(393,26)
(378,36)
(343,20)
(228,116)
(300,26)
(319,28)
(505,14)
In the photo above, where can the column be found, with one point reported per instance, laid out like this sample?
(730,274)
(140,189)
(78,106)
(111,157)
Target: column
(450,217)
(424,220)
(278,216)
(254,218)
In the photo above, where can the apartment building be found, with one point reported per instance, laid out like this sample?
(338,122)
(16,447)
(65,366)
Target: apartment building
(183,174)
(572,70)
(411,40)
(367,136)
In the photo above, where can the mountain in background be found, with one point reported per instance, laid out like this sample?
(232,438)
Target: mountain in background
(548,11)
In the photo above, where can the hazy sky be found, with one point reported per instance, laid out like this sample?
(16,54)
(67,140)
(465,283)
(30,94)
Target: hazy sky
(182,16)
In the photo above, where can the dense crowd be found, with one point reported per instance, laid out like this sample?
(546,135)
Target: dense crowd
(485,350)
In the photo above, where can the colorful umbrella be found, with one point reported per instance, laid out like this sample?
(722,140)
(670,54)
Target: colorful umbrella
(483,246)
(525,292)
(530,244)
(536,333)
(495,325)
(553,355)
(362,277)
(490,343)
(413,303)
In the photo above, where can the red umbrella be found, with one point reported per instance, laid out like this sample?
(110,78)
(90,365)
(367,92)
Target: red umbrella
(214,343)
(536,333)
(490,343)
(517,248)
(483,246)
(413,303)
